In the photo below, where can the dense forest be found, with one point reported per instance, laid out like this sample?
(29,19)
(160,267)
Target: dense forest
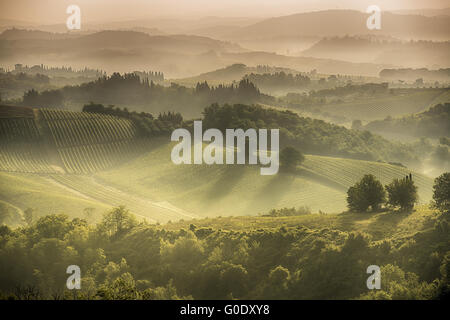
(309,135)
(121,258)
(144,95)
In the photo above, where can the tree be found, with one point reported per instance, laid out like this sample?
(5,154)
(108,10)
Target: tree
(441,192)
(118,221)
(368,192)
(290,158)
(402,193)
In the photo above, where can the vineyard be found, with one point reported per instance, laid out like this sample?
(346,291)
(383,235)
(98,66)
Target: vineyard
(21,143)
(345,172)
(89,142)
(51,141)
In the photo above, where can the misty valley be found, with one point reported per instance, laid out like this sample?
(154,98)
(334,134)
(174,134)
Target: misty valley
(259,157)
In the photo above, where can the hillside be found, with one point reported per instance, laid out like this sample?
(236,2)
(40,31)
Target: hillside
(379,50)
(432,123)
(339,22)
(368,106)
(176,55)
(104,161)
(230,74)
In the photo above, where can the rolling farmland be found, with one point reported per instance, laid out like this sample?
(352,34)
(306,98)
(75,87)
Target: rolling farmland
(63,161)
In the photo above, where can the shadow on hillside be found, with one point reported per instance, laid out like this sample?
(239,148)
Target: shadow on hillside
(349,221)
(225,183)
(270,195)
(378,224)
(386,223)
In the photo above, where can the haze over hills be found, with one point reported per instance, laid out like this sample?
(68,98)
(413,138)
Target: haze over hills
(347,22)
(425,12)
(272,152)
(176,55)
(376,50)
(117,51)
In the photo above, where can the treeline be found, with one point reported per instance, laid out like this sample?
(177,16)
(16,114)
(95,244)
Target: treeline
(147,125)
(65,72)
(278,80)
(155,76)
(120,258)
(309,135)
(130,90)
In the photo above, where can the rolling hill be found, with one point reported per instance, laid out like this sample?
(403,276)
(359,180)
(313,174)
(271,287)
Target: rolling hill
(340,22)
(379,50)
(178,56)
(373,107)
(68,161)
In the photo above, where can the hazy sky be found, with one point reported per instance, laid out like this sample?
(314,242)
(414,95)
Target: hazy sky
(54,11)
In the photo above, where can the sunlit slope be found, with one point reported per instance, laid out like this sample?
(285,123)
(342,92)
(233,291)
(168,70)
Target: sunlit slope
(219,189)
(38,192)
(240,189)
(141,206)
(345,172)
(72,194)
